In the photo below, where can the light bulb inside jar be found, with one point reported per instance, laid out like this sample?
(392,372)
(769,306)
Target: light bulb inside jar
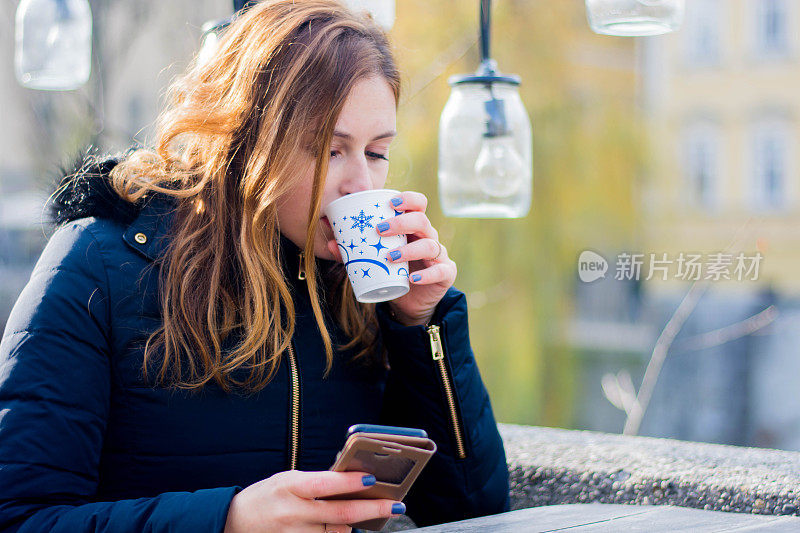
(499,168)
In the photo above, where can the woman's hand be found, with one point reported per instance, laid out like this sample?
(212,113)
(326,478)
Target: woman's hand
(431,271)
(286,502)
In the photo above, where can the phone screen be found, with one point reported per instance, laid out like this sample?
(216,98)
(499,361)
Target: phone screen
(389,430)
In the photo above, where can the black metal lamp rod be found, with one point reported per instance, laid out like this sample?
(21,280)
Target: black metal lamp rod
(486,22)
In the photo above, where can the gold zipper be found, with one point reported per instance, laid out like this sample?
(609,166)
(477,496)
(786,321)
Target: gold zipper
(437,350)
(301,271)
(294,411)
(294,406)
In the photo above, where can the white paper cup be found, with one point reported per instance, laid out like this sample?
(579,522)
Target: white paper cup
(353,219)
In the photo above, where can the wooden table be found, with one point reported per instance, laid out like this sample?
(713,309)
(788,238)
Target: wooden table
(598,517)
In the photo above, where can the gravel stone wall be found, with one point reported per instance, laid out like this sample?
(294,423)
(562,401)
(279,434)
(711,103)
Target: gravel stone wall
(553,466)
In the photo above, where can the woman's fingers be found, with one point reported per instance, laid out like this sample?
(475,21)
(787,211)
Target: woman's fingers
(411,223)
(353,511)
(290,500)
(410,201)
(438,273)
(417,250)
(312,485)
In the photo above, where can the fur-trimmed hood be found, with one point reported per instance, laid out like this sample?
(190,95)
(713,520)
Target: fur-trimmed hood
(85,191)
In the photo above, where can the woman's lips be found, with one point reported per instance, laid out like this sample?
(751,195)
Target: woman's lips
(327,224)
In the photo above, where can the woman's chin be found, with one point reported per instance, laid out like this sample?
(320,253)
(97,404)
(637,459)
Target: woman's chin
(324,255)
(322,251)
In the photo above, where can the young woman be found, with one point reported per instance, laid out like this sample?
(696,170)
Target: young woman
(188,353)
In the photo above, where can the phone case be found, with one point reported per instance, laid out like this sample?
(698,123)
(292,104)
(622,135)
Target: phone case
(394,460)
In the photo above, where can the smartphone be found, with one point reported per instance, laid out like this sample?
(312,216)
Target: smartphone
(387,430)
(394,455)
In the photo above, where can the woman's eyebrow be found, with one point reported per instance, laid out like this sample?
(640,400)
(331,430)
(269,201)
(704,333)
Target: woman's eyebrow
(349,137)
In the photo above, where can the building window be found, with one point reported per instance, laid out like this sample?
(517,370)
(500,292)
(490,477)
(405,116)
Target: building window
(771,141)
(772,33)
(701,163)
(702,32)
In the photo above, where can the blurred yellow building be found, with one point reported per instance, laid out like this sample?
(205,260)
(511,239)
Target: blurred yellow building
(722,100)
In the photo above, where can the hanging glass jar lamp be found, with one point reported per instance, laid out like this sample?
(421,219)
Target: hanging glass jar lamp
(634,18)
(53,49)
(485,159)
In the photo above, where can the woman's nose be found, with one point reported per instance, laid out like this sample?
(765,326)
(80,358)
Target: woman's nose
(357,177)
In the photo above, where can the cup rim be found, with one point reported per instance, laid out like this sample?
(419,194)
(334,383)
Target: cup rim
(359,194)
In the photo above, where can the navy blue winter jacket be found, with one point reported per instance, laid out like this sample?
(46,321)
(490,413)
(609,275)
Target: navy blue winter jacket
(86,445)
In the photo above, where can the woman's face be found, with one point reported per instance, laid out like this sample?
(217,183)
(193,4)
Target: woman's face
(358,153)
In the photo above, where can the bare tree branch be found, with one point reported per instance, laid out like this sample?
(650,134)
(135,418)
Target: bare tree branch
(730,333)
(636,413)
(619,390)
(659,355)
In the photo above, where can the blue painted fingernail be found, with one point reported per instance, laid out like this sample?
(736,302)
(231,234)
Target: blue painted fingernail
(398,508)
(395,255)
(368,480)
(397,201)
(416,277)
(383,226)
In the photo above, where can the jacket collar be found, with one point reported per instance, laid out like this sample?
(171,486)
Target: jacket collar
(86,190)
(290,259)
(149,233)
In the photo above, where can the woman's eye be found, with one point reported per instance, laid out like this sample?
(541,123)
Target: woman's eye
(375,155)
(334,153)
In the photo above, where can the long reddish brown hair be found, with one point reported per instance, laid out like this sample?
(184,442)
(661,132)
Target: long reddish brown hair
(227,150)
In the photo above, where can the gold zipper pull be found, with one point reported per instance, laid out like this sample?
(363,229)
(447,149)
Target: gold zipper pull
(301,271)
(436,343)
(437,350)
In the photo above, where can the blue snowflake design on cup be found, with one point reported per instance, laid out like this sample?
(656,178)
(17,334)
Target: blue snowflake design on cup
(361,222)
(354,219)
(364,251)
